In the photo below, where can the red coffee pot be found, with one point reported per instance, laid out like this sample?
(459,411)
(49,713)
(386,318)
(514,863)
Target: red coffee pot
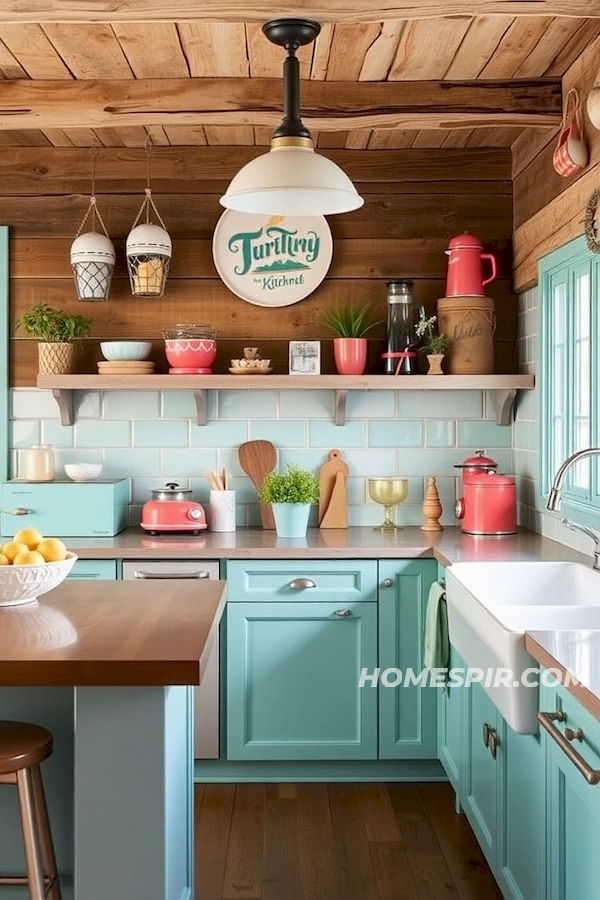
(465,276)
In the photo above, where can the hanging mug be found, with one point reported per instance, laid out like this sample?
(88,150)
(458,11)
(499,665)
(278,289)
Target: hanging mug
(571,152)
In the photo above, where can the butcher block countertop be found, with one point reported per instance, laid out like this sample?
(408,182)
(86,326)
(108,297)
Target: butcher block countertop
(112,633)
(447,547)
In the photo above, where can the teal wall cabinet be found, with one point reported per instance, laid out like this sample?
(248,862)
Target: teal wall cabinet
(293,681)
(573,804)
(407,712)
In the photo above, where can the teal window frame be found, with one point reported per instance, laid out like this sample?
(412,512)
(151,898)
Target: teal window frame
(569,352)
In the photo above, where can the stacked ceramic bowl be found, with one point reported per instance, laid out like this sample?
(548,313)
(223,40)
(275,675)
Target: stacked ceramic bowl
(125,358)
(190,349)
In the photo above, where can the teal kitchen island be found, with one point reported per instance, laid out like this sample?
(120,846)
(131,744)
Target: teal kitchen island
(109,668)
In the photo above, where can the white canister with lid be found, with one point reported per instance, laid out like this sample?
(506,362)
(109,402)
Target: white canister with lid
(39,463)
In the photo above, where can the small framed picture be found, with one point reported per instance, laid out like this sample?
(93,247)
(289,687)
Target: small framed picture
(305,357)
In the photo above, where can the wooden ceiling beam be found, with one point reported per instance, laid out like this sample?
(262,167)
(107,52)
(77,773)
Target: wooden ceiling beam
(19,11)
(326,105)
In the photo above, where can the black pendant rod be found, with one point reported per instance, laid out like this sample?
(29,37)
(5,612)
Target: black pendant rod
(291,34)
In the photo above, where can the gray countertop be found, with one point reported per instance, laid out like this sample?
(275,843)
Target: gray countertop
(447,547)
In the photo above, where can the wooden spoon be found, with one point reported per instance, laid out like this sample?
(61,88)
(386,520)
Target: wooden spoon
(257,459)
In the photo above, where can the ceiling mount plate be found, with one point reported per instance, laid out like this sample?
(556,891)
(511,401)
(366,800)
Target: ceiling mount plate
(291,32)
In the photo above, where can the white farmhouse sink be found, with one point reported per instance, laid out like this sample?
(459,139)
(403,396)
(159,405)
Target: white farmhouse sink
(491,605)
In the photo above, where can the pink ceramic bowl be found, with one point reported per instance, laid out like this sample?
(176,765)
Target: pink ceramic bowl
(190,353)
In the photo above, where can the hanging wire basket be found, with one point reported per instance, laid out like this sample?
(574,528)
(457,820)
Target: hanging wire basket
(92,259)
(148,252)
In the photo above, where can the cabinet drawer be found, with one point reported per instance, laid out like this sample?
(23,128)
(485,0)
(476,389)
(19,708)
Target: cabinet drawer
(94,570)
(302,579)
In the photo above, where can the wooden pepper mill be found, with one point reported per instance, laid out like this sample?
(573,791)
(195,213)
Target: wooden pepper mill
(432,508)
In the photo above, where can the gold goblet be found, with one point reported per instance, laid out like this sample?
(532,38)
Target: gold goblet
(389,492)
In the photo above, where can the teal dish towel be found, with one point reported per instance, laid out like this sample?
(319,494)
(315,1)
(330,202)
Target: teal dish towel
(436,653)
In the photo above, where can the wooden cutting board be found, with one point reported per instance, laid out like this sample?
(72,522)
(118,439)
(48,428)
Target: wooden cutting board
(257,459)
(333,501)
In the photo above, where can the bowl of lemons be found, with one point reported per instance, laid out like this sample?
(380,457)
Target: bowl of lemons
(32,565)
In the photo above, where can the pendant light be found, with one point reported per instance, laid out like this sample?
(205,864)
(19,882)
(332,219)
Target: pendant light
(92,253)
(291,179)
(148,248)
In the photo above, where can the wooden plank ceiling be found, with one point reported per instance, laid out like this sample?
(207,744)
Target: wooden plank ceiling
(451,48)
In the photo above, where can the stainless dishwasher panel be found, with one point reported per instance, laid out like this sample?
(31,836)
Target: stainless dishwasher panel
(206,696)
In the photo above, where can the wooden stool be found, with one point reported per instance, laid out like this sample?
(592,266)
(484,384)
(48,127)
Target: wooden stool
(22,748)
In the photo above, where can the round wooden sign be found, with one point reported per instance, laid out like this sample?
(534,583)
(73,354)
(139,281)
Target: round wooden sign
(272,260)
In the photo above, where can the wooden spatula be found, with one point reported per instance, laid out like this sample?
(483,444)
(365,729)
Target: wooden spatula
(257,459)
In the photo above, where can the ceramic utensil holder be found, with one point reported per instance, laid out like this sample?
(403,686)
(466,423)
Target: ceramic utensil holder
(222,510)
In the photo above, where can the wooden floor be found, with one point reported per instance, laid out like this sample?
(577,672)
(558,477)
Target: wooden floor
(336,842)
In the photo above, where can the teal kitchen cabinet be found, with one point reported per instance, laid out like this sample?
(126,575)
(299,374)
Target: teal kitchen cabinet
(480,798)
(94,570)
(573,804)
(452,728)
(498,776)
(293,673)
(407,712)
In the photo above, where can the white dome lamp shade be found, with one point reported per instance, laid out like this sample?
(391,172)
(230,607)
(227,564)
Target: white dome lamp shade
(291,179)
(148,251)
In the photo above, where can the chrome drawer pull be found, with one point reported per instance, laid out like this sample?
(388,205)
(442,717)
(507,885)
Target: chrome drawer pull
(299,584)
(387,582)
(177,576)
(592,776)
(343,613)
(17,511)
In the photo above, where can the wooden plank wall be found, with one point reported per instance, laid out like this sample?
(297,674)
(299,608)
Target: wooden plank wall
(415,200)
(548,208)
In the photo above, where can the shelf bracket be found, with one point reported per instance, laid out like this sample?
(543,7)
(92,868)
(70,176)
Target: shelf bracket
(340,407)
(64,399)
(505,406)
(200,398)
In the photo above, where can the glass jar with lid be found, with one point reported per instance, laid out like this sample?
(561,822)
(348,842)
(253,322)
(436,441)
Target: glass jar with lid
(38,463)
(401,356)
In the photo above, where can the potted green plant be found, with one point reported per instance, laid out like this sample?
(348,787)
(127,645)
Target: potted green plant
(291,495)
(433,343)
(349,324)
(55,330)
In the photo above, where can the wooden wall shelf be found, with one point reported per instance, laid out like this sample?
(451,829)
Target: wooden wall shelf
(504,387)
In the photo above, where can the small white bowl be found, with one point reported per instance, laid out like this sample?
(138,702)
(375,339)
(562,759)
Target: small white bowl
(127,350)
(83,471)
(23,584)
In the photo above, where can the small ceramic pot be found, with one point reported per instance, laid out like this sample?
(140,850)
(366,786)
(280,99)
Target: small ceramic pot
(350,355)
(291,519)
(435,363)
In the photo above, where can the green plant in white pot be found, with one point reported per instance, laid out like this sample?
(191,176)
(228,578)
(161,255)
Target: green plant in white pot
(291,494)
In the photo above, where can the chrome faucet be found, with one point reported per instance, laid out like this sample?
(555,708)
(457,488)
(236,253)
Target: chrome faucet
(555,491)
(554,499)
(575,526)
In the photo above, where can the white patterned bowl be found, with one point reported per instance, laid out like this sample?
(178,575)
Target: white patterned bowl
(125,350)
(22,584)
(83,471)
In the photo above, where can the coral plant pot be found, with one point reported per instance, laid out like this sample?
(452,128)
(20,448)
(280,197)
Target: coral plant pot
(350,355)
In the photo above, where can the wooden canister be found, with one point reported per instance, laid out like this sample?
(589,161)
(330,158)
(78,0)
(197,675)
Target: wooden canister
(470,323)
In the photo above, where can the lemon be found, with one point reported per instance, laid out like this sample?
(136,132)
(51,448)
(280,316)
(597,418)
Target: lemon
(29,536)
(11,549)
(4,560)
(52,549)
(29,558)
